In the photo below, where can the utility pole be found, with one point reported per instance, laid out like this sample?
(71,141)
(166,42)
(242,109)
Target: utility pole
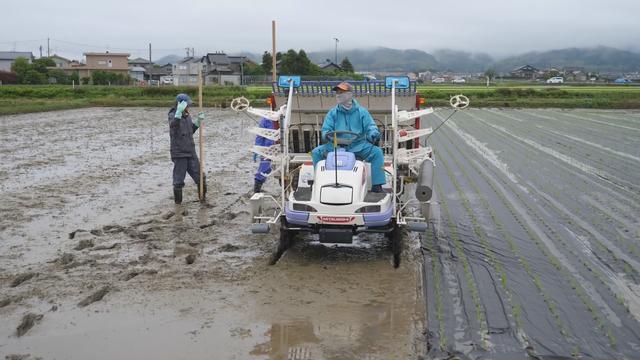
(336,53)
(48,49)
(40,50)
(149,54)
(273,50)
(187,51)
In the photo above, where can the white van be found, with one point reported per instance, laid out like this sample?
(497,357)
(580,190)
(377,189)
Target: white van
(555,80)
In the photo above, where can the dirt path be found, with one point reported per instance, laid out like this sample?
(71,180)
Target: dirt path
(97,258)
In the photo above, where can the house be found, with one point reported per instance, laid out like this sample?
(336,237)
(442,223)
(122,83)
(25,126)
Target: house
(223,69)
(329,65)
(140,62)
(525,72)
(185,72)
(60,61)
(575,74)
(109,62)
(137,73)
(7,58)
(155,72)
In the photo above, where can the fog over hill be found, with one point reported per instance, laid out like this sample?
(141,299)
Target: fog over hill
(599,58)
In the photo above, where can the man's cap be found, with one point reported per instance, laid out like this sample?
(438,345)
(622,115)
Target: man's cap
(345,86)
(183,97)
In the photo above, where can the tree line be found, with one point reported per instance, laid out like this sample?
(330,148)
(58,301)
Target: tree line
(298,63)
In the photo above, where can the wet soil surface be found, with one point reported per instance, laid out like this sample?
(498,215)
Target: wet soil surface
(94,264)
(534,249)
(532,253)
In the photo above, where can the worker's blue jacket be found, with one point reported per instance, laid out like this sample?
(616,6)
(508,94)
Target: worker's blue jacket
(357,120)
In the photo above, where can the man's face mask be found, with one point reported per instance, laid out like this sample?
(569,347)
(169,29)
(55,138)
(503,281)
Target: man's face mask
(344,98)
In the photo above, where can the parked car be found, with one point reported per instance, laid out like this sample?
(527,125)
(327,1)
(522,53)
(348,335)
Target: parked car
(458,81)
(166,80)
(438,80)
(622,81)
(555,80)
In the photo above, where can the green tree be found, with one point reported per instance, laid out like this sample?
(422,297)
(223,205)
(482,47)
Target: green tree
(58,76)
(267,62)
(33,77)
(490,73)
(20,67)
(298,63)
(40,65)
(346,65)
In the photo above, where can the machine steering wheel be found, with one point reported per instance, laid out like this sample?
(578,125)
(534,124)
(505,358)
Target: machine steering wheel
(352,136)
(239,104)
(459,102)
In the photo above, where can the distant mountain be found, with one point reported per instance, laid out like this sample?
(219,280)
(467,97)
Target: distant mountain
(591,59)
(460,61)
(169,59)
(381,59)
(384,59)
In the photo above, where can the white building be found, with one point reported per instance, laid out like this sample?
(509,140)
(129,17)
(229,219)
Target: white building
(7,58)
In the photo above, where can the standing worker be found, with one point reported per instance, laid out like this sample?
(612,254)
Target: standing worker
(264,168)
(183,149)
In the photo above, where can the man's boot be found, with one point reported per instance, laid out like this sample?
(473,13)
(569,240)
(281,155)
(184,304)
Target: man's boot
(257,186)
(177,197)
(377,189)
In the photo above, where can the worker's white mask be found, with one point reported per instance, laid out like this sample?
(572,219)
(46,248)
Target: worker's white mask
(344,99)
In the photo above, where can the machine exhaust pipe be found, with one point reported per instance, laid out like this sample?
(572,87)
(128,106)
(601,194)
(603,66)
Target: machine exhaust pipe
(424,188)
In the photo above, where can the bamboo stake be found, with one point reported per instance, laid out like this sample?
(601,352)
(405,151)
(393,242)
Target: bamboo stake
(201,190)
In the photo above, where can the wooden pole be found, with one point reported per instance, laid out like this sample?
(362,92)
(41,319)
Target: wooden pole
(273,50)
(201,136)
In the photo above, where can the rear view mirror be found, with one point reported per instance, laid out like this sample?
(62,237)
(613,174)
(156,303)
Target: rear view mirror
(283,81)
(402,82)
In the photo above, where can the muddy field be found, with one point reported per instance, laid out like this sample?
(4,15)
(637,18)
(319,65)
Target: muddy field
(533,250)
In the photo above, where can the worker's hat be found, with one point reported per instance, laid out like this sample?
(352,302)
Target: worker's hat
(344,86)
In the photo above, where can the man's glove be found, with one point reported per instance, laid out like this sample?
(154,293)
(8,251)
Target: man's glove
(180,109)
(199,119)
(373,137)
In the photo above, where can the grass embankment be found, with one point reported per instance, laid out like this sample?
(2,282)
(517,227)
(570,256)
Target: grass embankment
(25,98)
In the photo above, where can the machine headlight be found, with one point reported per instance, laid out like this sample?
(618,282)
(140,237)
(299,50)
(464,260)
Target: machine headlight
(304,207)
(369,209)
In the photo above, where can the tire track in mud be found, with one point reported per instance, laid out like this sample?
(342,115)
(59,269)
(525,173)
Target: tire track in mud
(580,293)
(614,253)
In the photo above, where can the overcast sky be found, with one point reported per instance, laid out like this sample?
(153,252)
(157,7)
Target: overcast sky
(497,27)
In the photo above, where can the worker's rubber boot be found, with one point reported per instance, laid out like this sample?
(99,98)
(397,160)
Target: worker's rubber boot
(257,186)
(177,197)
(377,189)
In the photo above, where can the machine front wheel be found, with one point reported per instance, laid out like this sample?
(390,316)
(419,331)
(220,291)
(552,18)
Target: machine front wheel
(284,242)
